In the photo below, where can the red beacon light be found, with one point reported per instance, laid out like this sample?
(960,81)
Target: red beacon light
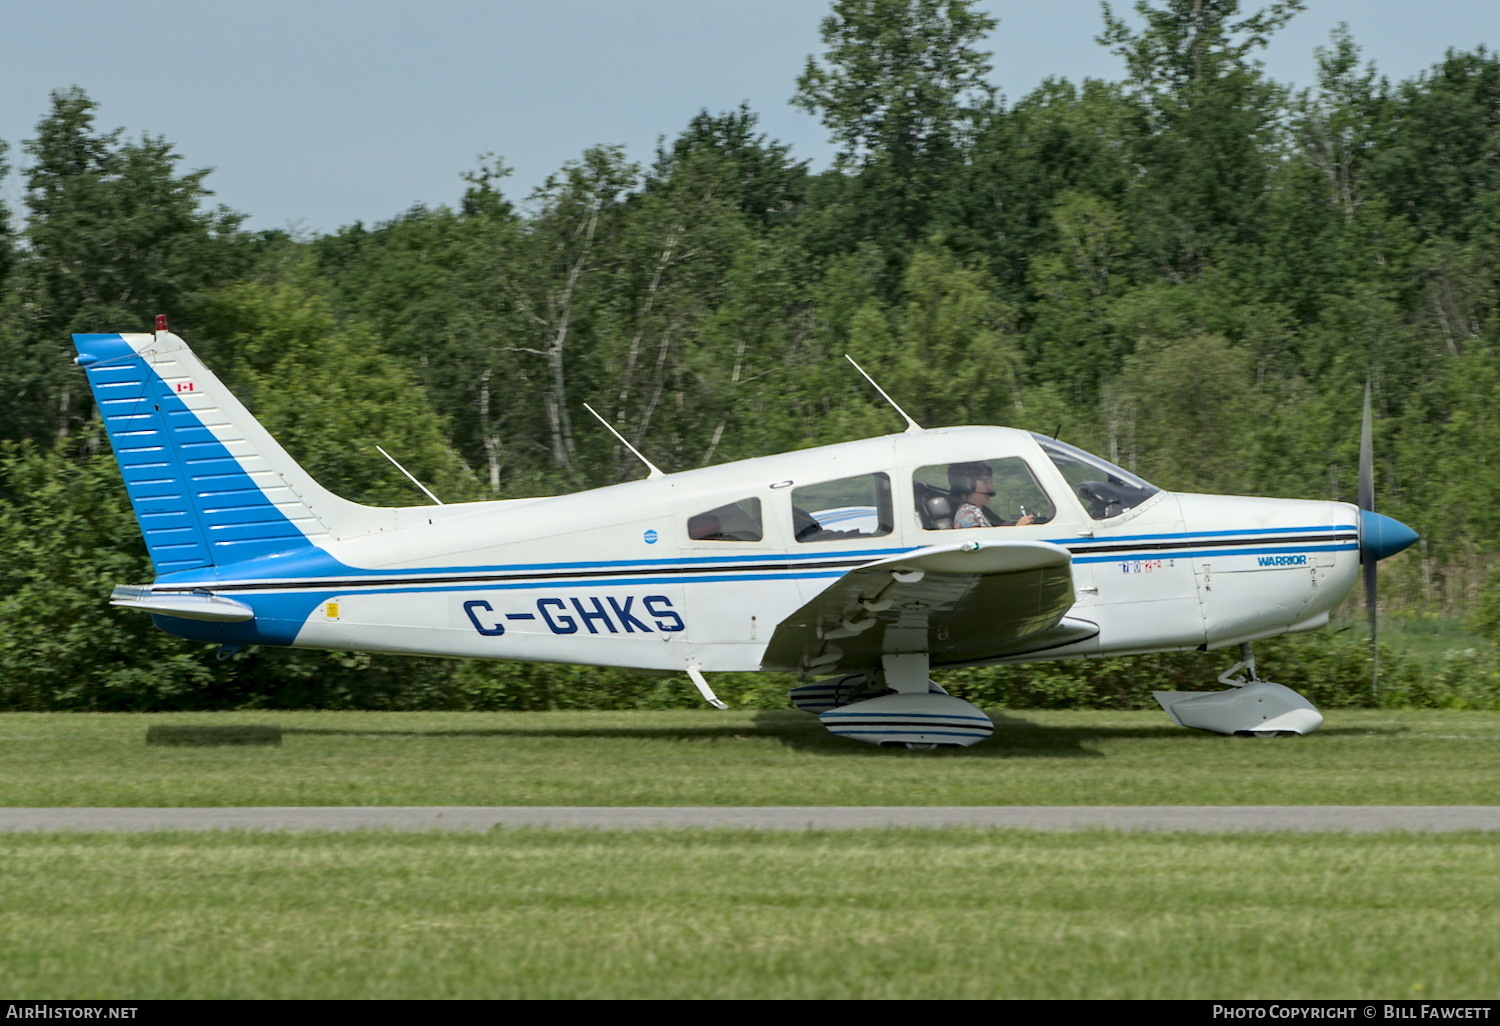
(161,322)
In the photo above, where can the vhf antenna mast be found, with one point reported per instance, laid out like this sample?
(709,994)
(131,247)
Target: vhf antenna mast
(655,471)
(414,481)
(911,425)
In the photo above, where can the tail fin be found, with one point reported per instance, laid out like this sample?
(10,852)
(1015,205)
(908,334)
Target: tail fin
(209,485)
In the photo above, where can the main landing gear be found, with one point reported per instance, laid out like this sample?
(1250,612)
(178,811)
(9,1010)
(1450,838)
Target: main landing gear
(895,707)
(1251,706)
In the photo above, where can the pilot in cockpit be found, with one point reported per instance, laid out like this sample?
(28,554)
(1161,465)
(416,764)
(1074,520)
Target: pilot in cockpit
(973,486)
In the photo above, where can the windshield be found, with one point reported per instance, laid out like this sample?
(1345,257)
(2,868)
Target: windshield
(1105,489)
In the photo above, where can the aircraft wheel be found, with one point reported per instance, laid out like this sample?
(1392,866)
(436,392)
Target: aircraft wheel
(920,746)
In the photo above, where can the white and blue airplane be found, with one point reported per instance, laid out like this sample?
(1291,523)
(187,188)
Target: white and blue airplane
(852,565)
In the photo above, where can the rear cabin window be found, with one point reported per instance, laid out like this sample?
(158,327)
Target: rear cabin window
(732,522)
(851,507)
(979,493)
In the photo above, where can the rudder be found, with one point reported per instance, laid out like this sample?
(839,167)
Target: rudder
(209,485)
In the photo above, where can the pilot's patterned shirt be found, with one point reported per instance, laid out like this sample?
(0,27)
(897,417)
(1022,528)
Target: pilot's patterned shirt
(970,515)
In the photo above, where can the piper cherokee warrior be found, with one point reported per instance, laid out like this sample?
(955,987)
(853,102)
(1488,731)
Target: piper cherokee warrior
(860,567)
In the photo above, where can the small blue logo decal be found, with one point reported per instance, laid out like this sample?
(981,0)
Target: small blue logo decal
(650,537)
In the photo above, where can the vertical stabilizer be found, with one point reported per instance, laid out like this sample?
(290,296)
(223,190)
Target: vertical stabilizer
(209,485)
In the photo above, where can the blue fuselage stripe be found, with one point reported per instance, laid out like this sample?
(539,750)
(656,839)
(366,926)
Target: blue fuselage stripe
(1129,548)
(1213,553)
(680,570)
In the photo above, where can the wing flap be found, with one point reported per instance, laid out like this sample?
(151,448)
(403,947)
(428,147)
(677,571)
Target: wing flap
(964,602)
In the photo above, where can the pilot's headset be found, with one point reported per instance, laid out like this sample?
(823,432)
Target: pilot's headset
(963,478)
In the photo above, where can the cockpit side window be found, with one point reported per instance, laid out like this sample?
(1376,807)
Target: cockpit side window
(734,521)
(1105,489)
(999,492)
(851,507)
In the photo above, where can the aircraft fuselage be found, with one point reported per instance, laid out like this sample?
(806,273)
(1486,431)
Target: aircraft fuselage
(648,575)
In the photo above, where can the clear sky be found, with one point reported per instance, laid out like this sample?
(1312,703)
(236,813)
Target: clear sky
(318,113)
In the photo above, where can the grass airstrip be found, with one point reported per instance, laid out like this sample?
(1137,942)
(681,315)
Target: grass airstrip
(1360,757)
(720,913)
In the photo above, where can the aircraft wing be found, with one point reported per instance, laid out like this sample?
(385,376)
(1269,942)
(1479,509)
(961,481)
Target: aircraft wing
(963,602)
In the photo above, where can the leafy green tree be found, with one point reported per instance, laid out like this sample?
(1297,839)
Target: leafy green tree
(1329,248)
(711,277)
(758,364)
(483,198)
(1484,617)
(1179,414)
(1187,41)
(1335,127)
(114,234)
(7,239)
(693,241)
(737,163)
(417,282)
(899,88)
(330,394)
(1445,469)
(1073,343)
(69,537)
(1436,160)
(945,355)
(397,277)
(1207,120)
(999,205)
(548,271)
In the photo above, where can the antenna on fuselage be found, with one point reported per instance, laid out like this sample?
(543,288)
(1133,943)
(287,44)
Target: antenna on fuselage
(911,425)
(655,470)
(413,480)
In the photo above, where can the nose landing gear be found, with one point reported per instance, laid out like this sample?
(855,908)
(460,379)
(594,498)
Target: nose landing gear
(1251,706)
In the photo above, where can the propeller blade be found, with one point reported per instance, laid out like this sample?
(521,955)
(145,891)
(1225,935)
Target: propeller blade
(1367,503)
(1370,561)
(1379,536)
(1366,458)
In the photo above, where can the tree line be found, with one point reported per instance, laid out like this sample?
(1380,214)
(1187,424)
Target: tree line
(1192,270)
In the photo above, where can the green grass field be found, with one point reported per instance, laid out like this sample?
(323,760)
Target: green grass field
(732,914)
(1360,757)
(723,914)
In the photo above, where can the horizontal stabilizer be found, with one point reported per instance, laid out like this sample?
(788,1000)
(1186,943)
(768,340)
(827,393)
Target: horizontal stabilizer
(200,606)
